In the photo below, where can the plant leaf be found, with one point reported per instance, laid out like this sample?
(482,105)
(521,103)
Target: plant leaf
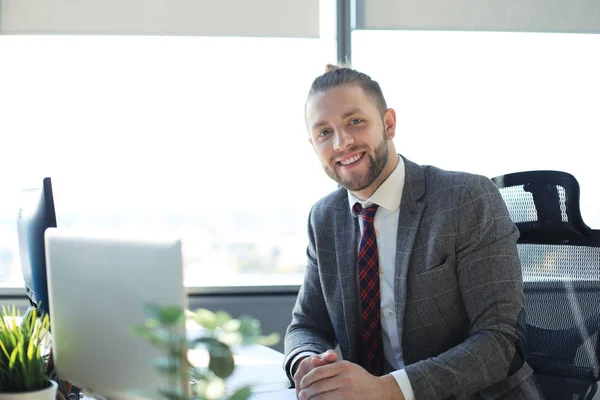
(231,338)
(205,318)
(222,318)
(4,348)
(13,358)
(221,359)
(250,329)
(269,340)
(157,336)
(171,315)
(231,325)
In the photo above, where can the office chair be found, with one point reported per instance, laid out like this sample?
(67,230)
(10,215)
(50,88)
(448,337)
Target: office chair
(560,259)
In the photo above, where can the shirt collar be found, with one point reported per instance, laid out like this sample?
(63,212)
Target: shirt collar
(388,195)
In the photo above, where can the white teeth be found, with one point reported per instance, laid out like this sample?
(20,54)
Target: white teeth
(351,160)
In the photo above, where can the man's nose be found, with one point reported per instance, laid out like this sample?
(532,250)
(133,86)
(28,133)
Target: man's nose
(342,140)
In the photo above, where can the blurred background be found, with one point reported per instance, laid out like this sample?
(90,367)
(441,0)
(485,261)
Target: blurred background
(152,120)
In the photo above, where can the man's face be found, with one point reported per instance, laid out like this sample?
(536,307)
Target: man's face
(349,135)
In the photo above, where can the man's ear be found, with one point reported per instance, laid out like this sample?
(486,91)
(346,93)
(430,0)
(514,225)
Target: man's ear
(389,121)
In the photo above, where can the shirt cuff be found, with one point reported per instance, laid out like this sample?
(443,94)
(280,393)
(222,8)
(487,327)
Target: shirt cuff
(404,383)
(297,358)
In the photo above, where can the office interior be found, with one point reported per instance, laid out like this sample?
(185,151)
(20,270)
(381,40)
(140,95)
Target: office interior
(187,118)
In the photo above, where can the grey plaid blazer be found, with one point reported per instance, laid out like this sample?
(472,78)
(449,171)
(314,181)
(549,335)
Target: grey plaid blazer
(458,288)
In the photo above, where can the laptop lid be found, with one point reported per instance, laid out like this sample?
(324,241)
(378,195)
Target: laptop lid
(98,285)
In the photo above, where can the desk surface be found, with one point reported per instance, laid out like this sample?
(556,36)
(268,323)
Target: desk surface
(255,365)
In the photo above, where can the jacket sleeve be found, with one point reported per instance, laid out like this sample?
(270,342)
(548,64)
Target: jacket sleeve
(310,329)
(491,287)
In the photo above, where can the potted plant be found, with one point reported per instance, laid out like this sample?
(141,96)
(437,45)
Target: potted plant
(220,332)
(24,351)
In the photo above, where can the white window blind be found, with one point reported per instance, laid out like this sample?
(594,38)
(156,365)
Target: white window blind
(568,16)
(254,18)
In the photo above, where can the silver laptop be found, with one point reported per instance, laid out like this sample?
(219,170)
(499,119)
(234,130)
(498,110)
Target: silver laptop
(98,285)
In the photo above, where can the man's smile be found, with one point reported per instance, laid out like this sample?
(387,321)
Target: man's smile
(350,160)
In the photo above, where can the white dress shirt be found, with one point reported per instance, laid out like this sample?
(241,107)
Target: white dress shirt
(387,197)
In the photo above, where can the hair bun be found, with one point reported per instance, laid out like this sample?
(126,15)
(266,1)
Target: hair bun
(331,67)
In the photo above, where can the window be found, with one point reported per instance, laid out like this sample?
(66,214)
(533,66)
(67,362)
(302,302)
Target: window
(202,137)
(492,102)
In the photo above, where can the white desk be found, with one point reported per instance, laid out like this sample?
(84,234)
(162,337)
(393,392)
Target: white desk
(255,365)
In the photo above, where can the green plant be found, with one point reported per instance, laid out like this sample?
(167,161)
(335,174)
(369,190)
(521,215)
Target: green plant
(22,356)
(165,328)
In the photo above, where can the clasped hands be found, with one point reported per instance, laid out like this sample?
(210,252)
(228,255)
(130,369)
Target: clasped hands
(324,377)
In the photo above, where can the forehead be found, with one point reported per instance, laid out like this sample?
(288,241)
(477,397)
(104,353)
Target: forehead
(337,101)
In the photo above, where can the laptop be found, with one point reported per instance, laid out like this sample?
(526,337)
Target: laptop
(98,285)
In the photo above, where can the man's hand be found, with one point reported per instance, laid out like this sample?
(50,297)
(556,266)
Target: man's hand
(344,380)
(309,363)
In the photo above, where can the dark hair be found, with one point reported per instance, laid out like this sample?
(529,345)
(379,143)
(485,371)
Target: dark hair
(336,76)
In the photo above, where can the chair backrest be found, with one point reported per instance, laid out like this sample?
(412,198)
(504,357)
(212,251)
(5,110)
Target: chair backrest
(560,259)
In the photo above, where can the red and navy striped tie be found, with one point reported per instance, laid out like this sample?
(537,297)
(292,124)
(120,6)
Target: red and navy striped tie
(370,296)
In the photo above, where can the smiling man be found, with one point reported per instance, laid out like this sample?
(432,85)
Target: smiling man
(412,271)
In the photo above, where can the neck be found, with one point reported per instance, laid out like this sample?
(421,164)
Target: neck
(390,166)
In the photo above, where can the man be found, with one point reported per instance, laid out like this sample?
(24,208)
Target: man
(412,271)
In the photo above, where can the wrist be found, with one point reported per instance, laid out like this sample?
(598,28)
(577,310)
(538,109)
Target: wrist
(391,390)
(296,364)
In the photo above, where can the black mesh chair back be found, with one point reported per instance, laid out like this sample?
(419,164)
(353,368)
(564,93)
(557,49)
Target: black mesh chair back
(560,259)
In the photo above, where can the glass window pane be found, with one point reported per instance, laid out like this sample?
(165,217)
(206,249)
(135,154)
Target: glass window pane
(491,102)
(201,137)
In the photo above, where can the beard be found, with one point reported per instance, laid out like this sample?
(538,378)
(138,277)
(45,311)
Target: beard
(377,163)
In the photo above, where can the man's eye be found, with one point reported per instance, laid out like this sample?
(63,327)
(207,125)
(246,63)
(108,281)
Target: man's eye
(355,121)
(324,132)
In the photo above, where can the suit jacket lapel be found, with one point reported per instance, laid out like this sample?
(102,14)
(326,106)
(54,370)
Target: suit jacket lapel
(346,248)
(411,210)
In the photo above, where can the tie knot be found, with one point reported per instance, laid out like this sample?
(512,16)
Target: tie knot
(367,214)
